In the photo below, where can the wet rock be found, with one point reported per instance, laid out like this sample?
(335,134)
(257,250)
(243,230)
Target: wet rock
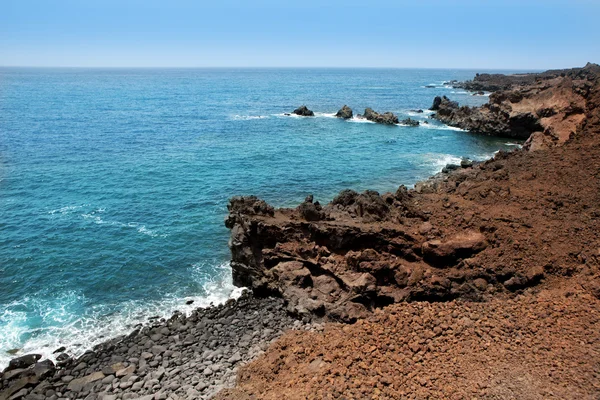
(23,361)
(303,111)
(409,122)
(345,113)
(387,118)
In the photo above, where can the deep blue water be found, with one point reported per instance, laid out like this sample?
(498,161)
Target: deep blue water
(114,183)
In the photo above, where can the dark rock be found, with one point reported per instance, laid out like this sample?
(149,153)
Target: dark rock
(44,369)
(466,163)
(304,112)
(59,350)
(409,122)
(23,361)
(386,118)
(345,112)
(450,167)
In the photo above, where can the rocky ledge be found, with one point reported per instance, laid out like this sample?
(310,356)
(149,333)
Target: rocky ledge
(545,108)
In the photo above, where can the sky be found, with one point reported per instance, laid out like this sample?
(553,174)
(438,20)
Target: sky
(501,34)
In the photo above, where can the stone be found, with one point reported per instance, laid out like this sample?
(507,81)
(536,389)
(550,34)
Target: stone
(387,118)
(22,362)
(125,371)
(409,122)
(458,247)
(303,111)
(76,385)
(345,113)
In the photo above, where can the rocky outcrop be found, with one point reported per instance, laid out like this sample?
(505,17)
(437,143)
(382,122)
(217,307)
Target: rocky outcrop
(545,108)
(387,118)
(344,113)
(303,111)
(410,122)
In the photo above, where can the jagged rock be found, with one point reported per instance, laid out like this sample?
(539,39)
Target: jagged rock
(345,112)
(304,112)
(409,122)
(387,118)
(554,102)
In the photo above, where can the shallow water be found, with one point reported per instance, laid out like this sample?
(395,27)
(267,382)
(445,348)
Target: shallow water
(114,183)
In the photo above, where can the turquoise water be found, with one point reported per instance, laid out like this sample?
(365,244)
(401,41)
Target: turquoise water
(114,183)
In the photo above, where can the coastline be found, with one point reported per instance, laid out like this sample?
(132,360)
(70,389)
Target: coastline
(153,363)
(191,356)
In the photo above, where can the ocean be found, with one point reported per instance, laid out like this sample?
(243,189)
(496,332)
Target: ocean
(114,182)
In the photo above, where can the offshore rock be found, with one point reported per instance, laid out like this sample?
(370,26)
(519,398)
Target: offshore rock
(344,113)
(387,118)
(409,122)
(304,112)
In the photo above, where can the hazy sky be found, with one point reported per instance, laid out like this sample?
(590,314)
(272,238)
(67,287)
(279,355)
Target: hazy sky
(342,33)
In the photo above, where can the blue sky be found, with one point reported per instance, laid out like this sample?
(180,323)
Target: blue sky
(184,33)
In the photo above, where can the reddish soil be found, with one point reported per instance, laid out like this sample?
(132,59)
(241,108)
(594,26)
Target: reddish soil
(494,271)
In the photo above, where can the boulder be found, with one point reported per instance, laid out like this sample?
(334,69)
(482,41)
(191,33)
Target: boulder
(23,361)
(77,385)
(311,211)
(304,112)
(387,118)
(409,122)
(344,112)
(461,246)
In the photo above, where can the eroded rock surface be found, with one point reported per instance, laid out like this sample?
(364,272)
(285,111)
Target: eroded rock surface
(546,108)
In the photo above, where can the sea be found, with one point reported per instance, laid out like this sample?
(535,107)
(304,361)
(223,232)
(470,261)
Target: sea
(114,182)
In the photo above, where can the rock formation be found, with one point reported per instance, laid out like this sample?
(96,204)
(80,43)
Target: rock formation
(410,122)
(545,108)
(453,236)
(344,113)
(387,118)
(303,111)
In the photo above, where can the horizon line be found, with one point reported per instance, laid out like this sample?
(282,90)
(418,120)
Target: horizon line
(273,67)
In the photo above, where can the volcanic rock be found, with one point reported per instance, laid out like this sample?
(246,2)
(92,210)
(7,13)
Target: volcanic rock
(345,113)
(387,118)
(303,111)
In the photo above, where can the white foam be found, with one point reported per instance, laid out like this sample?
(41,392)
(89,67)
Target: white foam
(61,327)
(325,115)
(289,115)
(248,117)
(514,144)
(140,228)
(417,114)
(360,120)
(442,127)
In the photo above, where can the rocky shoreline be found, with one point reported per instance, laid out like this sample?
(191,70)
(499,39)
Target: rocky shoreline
(518,231)
(184,357)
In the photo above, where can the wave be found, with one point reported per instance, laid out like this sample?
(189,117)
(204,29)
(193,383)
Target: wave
(436,162)
(417,114)
(248,117)
(140,228)
(325,115)
(442,127)
(61,325)
(359,120)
